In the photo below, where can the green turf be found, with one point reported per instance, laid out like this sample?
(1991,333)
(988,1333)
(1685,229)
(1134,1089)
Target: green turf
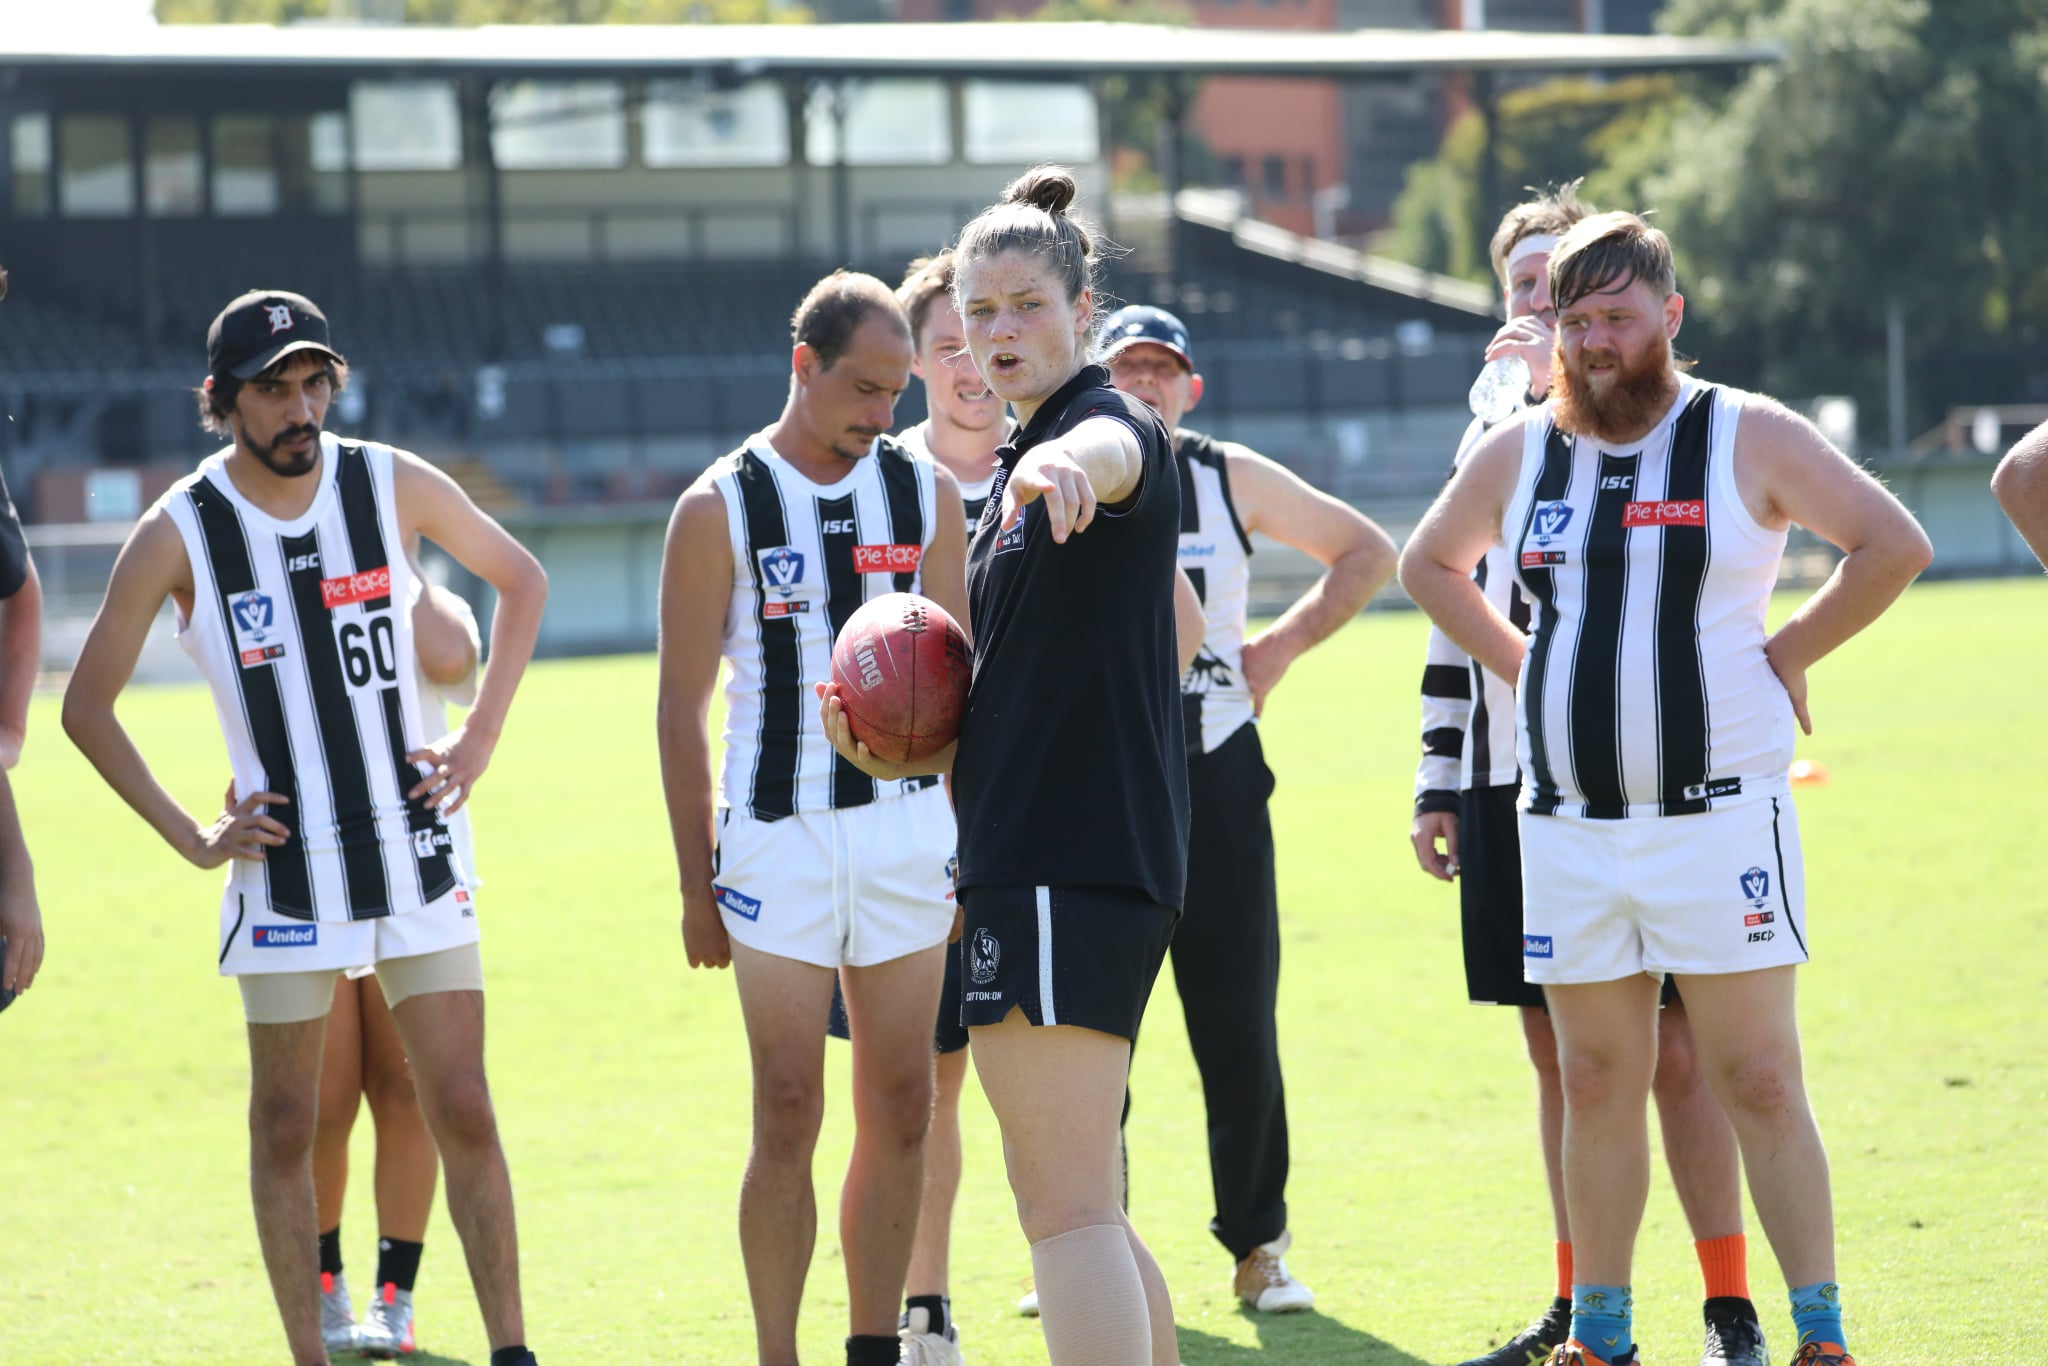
(1419,1212)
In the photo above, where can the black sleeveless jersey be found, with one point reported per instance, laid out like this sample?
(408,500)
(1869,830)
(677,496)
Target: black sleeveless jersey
(1072,767)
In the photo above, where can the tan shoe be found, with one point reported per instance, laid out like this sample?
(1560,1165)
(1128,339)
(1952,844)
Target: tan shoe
(1264,1283)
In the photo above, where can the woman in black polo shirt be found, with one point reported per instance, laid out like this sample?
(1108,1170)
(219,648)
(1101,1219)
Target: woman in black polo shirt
(1070,774)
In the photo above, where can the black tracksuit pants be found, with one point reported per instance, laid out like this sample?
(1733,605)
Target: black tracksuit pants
(1226,964)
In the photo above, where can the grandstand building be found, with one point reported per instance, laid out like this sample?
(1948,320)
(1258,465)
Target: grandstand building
(560,260)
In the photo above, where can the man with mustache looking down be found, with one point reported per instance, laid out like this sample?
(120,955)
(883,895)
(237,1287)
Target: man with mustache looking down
(1645,515)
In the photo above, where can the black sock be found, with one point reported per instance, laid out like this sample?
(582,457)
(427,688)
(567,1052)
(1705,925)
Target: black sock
(330,1252)
(940,1307)
(398,1263)
(870,1350)
(513,1356)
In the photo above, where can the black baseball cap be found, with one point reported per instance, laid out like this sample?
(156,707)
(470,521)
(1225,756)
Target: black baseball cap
(259,328)
(1143,323)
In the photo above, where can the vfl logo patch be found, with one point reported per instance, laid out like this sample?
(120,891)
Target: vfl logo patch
(1690,513)
(349,588)
(743,906)
(1756,887)
(887,559)
(284,936)
(1537,946)
(984,956)
(255,622)
(1550,520)
(1536,559)
(782,571)
(1719,787)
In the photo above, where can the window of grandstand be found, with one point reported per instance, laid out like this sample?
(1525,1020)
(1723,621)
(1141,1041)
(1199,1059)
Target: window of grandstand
(244,165)
(1274,184)
(556,125)
(405,126)
(684,123)
(1533,15)
(173,172)
(29,141)
(1387,14)
(1061,126)
(316,161)
(96,173)
(888,123)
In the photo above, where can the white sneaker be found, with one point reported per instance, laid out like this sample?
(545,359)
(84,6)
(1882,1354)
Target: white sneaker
(1028,1305)
(386,1330)
(337,1315)
(921,1347)
(1264,1284)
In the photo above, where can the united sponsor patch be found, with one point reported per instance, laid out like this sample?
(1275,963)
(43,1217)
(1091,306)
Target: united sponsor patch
(741,905)
(351,588)
(284,936)
(1537,946)
(1687,512)
(887,559)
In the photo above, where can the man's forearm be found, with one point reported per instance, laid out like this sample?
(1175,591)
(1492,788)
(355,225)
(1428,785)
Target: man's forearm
(1111,458)
(1335,598)
(1864,584)
(687,786)
(20,653)
(515,626)
(1462,613)
(100,736)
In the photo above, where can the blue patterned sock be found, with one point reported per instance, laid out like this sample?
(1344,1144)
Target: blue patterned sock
(1817,1313)
(1602,1318)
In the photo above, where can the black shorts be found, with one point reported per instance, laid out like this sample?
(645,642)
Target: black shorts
(948,1035)
(1082,956)
(1490,899)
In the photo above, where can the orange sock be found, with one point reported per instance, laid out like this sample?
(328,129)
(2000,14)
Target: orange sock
(1564,1271)
(1724,1263)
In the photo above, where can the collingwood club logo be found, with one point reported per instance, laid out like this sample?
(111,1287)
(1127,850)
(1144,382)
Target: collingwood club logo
(984,955)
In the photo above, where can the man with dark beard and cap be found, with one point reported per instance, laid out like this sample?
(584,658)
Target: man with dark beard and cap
(284,556)
(1645,515)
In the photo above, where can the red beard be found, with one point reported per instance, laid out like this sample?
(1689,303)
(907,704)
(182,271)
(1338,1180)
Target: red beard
(1628,405)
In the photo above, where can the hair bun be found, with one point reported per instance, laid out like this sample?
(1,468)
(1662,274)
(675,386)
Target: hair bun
(1050,188)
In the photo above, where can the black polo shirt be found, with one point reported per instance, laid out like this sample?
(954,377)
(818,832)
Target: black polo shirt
(1072,767)
(13,546)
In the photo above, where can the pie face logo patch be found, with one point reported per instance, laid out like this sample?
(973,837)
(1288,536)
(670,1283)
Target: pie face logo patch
(887,559)
(1684,512)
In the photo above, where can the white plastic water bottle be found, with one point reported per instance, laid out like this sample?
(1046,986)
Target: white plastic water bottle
(1501,388)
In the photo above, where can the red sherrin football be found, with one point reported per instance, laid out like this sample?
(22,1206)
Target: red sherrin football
(902,669)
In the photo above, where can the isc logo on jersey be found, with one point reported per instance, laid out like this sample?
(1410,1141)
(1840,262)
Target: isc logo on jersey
(782,577)
(258,639)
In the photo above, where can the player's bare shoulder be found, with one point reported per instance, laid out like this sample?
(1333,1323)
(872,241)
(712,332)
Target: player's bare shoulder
(697,531)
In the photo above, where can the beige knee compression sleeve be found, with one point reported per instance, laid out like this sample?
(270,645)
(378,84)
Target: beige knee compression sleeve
(1091,1301)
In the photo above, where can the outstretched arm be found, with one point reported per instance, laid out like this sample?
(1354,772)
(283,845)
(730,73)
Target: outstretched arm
(1099,461)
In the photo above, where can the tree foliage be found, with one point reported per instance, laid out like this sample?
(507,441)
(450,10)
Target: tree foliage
(1893,155)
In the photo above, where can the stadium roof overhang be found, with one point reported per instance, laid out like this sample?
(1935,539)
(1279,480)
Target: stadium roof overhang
(733,51)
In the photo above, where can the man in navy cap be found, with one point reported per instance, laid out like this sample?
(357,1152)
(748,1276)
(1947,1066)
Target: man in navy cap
(1226,950)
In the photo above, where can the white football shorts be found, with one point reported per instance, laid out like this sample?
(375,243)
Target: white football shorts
(255,939)
(855,887)
(1719,892)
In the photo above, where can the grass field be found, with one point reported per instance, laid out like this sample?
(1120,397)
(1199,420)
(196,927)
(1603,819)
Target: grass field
(1418,1205)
